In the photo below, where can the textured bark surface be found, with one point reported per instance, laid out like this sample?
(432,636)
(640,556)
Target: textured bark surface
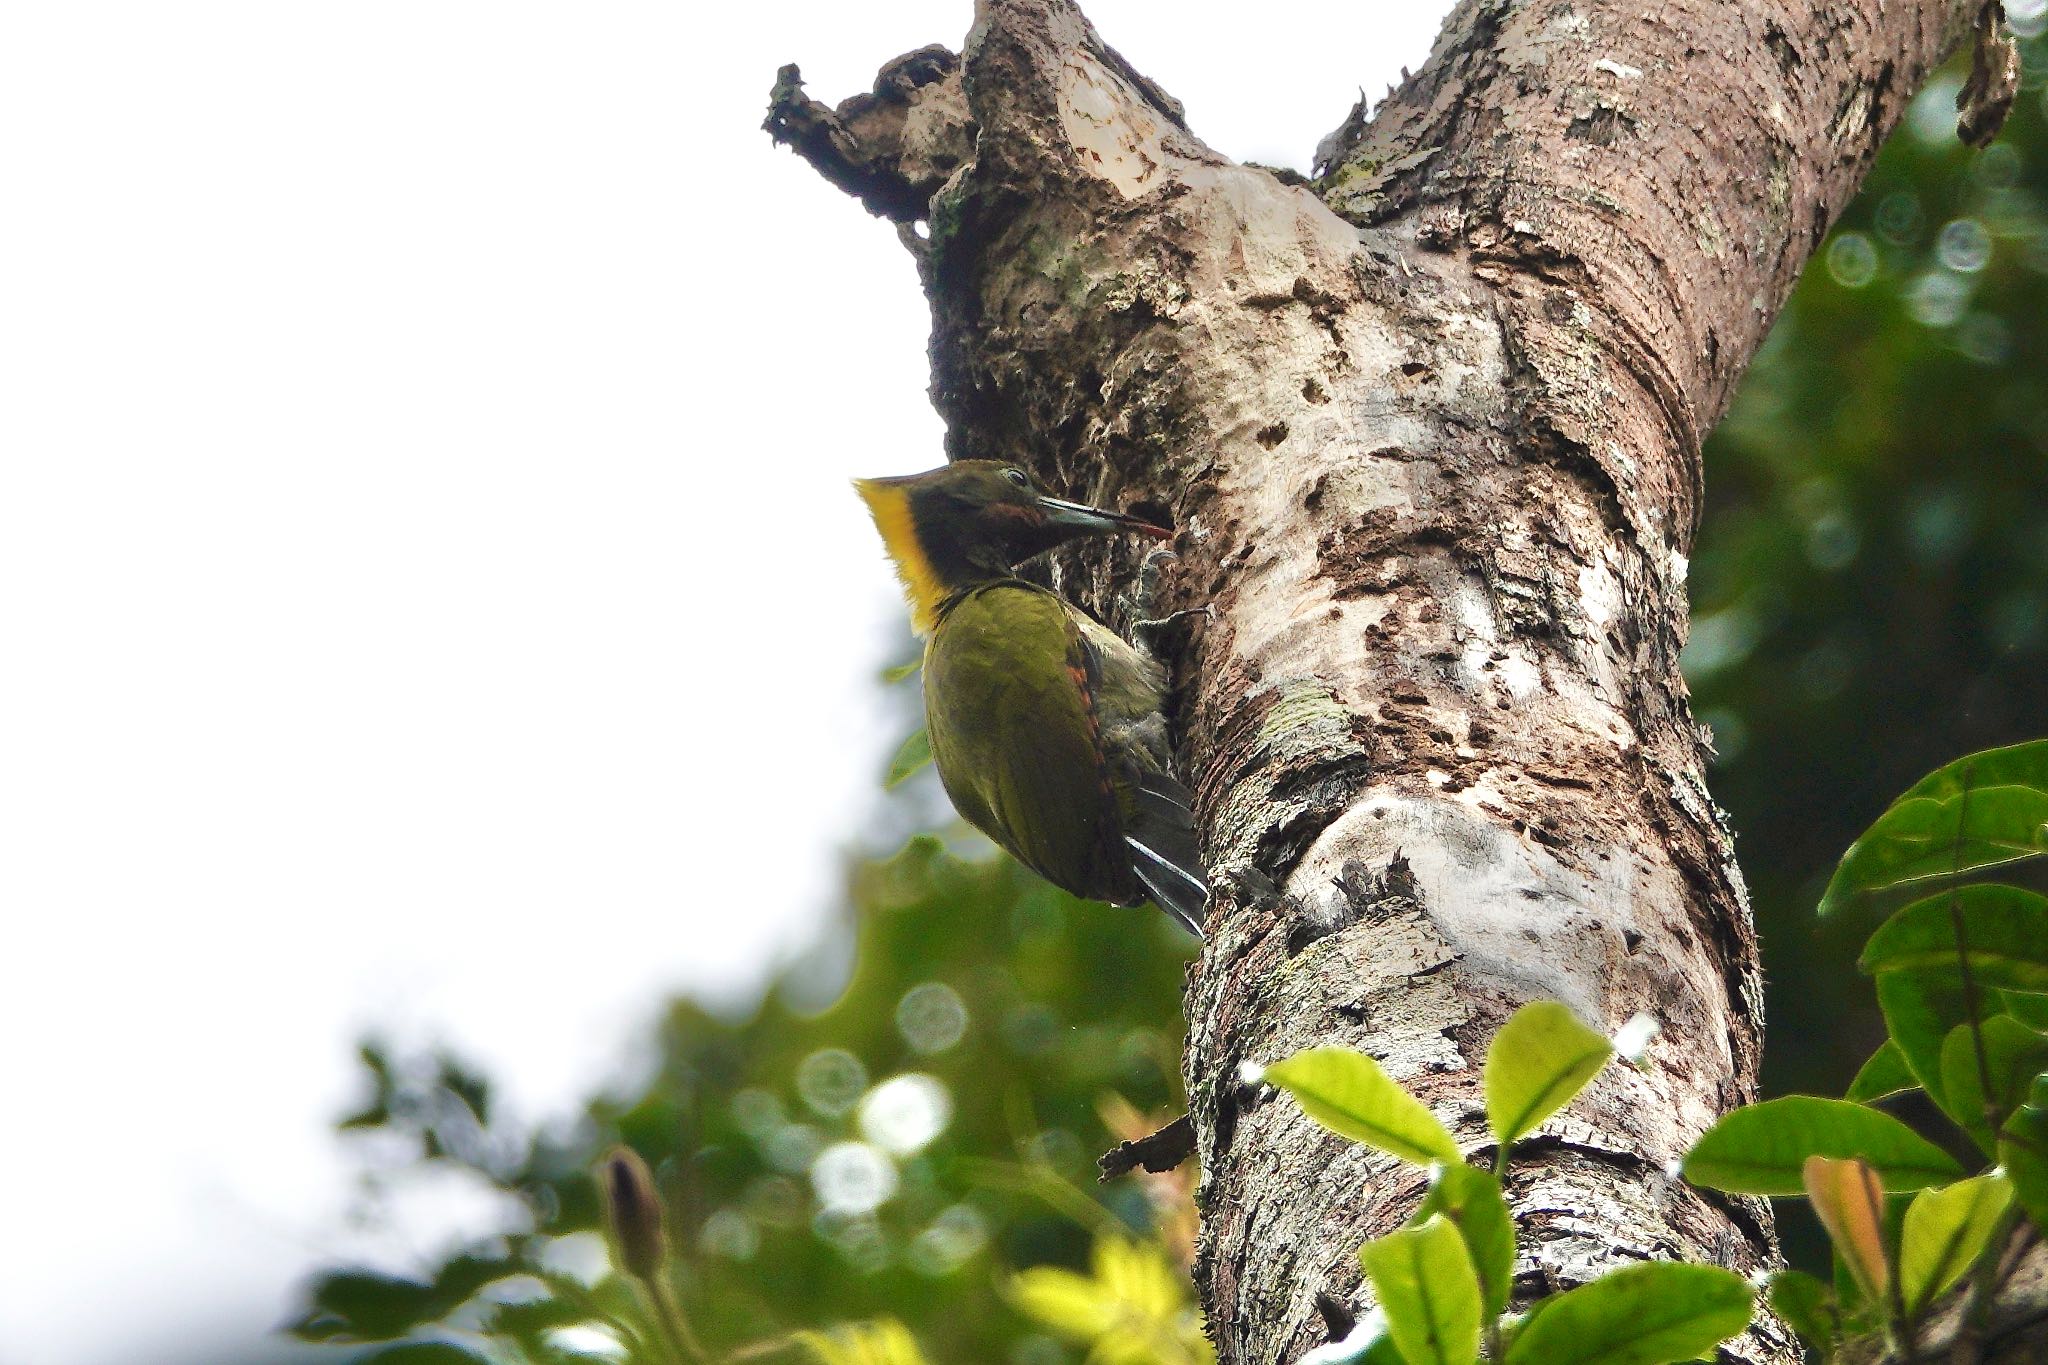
(1430,429)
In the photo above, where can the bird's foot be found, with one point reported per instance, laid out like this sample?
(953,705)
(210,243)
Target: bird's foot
(1165,630)
(1148,630)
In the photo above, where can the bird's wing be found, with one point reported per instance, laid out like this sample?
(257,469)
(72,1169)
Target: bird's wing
(1010,695)
(1155,810)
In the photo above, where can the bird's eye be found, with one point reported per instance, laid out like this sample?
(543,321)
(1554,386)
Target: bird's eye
(1017,477)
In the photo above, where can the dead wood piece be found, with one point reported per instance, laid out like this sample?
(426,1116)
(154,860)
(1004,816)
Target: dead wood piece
(1157,1152)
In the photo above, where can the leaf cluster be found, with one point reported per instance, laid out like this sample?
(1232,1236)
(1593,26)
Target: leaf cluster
(1446,1282)
(1961,973)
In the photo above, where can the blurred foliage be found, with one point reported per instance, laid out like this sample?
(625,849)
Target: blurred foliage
(1870,583)
(899,1154)
(1871,598)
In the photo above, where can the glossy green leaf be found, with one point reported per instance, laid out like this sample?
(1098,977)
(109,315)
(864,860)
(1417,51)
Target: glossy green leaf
(2015,765)
(1642,1315)
(1429,1290)
(1761,1148)
(1347,1093)
(1919,1010)
(1886,1073)
(912,755)
(1945,1231)
(1539,1060)
(2013,1054)
(2005,928)
(1471,1199)
(1807,1306)
(1919,839)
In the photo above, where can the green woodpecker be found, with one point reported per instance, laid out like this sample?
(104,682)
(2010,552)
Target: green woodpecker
(1046,728)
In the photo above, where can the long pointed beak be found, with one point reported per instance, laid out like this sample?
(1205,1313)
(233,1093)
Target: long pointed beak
(1081,517)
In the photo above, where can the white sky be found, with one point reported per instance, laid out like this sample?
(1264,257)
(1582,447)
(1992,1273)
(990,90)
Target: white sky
(430,593)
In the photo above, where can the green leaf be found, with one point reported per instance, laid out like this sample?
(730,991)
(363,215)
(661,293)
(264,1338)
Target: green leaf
(2023,1153)
(528,1319)
(2013,1053)
(1471,1199)
(1919,1010)
(2005,927)
(1946,1229)
(1807,1305)
(1938,829)
(1761,1148)
(914,754)
(1539,1060)
(1641,1315)
(361,1305)
(901,671)
(1347,1093)
(2015,765)
(2031,1010)
(1886,1073)
(1429,1291)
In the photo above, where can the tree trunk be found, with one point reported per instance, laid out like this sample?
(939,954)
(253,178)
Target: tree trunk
(1430,430)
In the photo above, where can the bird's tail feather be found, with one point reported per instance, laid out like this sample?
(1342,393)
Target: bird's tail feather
(1163,853)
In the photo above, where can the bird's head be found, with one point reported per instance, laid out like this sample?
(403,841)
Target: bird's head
(973,520)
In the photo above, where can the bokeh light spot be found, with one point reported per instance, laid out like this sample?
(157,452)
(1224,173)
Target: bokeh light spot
(1852,260)
(904,1113)
(757,1113)
(1937,298)
(792,1147)
(731,1234)
(931,1017)
(1964,246)
(1832,541)
(950,1242)
(1899,217)
(853,1178)
(831,1080)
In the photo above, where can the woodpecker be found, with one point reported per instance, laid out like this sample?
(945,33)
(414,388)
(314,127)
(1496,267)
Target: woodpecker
(1047,728)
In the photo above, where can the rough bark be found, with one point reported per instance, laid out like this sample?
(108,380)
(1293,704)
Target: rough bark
(1430,428)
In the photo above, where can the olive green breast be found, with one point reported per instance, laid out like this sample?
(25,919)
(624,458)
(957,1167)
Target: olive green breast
(1012,707)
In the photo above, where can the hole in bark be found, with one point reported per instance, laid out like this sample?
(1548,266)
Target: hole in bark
(1601,125)
(1414,368)
(1152,510)
(1313,391)
(1780,44)
(1273,435)
(1631,940)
